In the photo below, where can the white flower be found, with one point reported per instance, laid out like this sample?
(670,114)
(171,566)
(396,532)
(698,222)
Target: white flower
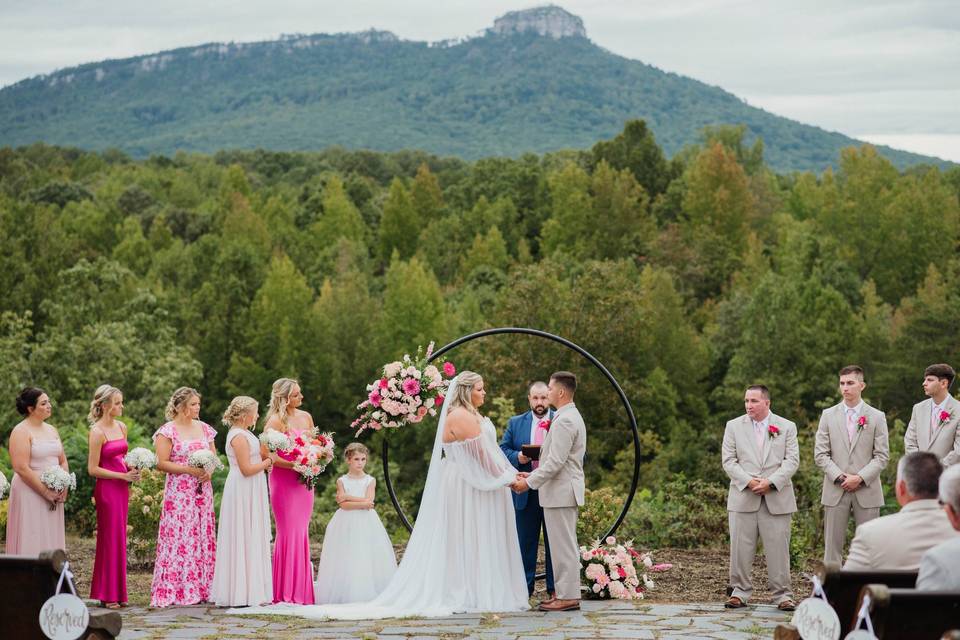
(647,562)
(611,540)
(146,509)
(597,588)
(140,458)
(648,583)
(392,369)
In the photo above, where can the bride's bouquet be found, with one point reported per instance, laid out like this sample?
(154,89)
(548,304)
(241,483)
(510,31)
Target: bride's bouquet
(206,460)
(610,570)
(310,454)
(408,390)
(274,440)
(56,479)
(4,486)
(140,458)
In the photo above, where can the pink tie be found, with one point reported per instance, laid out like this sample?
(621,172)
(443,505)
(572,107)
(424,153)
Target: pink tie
(851,426)
(539,433)
(758,432)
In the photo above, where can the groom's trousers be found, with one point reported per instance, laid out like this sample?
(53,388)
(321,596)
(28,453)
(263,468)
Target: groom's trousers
(564,550)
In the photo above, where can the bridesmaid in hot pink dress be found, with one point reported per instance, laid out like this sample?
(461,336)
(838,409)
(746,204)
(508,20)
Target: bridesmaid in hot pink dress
(111,494)
(291,500)
(187,539)
(32,525)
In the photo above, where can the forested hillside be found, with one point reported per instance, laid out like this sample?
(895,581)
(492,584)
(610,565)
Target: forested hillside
(499,94)
(688,278)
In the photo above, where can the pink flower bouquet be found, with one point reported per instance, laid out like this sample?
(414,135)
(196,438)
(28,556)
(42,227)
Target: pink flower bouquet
(310,454)
(408,391)
(610,570)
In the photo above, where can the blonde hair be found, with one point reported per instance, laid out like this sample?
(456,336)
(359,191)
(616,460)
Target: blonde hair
(466,381)
(238,406)
(178,400)
(353,449)
(279,397)
(101,396)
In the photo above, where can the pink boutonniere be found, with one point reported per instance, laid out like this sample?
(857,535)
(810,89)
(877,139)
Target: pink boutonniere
(861,423)
(773,431)
(544,424)
(945,417)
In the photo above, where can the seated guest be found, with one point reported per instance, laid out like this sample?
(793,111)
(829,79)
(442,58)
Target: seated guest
(940,567)
(899,540)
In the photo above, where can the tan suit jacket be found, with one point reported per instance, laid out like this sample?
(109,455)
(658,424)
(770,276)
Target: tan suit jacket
(865,457)
(942,441)
(899,540)
(777,462)
(559,478)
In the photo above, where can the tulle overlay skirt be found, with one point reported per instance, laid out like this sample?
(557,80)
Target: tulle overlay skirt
(357,561)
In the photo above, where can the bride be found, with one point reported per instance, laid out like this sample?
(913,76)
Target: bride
(463,554)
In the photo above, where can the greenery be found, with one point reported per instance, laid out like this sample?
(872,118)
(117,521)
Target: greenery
(495,95)
(689,278)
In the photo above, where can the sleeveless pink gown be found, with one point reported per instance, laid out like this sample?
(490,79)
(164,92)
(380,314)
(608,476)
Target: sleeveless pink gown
(292,504)
(112,498)
(31,526)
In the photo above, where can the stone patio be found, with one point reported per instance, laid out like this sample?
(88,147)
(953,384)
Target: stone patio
(597,619)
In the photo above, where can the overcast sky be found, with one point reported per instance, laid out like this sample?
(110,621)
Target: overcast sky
(880,70)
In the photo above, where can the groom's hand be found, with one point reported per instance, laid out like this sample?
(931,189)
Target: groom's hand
(520,485)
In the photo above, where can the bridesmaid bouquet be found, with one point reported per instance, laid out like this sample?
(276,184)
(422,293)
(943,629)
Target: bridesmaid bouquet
(310,454)
(274,441)
(610,570)
(56,479)
(140,458)
(408,390)
(4,486)
(206,460)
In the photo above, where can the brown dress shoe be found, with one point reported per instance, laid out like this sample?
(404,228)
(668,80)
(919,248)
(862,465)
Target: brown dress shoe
(550,598)
(787,605)
(560,605)
(734,603)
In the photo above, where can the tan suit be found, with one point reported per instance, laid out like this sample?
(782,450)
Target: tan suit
(559,480)
(899,540)
(768,515)
(943,441)
(866,457)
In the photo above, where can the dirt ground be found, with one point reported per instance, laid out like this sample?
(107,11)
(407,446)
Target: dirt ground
(696,576)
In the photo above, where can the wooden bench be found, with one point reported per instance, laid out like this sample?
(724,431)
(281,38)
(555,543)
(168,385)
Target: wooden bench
(908,614)
(28,581)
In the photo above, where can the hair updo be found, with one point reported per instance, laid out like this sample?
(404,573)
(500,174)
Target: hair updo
(179,400)
(238,407)
(101,396)
(27,399)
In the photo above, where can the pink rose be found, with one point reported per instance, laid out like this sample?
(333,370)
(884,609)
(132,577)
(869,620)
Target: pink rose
(421,412)
(440,399)
(449,370)
(411,386)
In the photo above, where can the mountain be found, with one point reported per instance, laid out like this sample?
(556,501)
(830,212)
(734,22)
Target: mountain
(532,82)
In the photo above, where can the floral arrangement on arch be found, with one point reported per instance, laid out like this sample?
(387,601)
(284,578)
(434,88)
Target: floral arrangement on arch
(610,570)
(408,391)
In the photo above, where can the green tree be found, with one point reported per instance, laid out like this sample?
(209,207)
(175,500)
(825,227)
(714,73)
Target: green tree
(413,309)
(399,223)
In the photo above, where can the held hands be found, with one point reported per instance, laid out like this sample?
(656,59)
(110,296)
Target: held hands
(520,484)
(759,486)
(851,482)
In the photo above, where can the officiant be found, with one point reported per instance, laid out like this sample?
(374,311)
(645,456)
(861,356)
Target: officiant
(520,443)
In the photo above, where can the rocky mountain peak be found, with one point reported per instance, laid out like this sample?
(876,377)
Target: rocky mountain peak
(549,20)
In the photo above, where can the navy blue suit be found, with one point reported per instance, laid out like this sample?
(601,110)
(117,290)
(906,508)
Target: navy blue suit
(527,504)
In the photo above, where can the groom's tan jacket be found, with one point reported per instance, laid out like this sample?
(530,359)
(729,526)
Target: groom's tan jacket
(559,478)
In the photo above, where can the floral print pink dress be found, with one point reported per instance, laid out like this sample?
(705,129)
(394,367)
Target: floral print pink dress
(187,539)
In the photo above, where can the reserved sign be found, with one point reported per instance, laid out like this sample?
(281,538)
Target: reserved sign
(815,619)
(64,617)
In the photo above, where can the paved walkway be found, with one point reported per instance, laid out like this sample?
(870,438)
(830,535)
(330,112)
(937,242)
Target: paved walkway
(597,619)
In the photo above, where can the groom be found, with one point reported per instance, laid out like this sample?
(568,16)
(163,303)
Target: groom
(559,479)
(530,428)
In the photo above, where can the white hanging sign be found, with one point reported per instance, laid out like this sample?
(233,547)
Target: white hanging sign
(814,618)
(64,616)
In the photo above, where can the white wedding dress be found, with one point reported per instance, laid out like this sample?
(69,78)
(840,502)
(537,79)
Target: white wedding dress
(463,554)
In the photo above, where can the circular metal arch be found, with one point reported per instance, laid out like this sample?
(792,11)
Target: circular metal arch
(570,345)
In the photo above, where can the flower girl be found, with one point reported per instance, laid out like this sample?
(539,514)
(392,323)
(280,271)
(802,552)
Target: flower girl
(357,560)
(243,576)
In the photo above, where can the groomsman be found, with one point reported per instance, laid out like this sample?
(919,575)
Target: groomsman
(760,454)
(530,428)
(933,424)
(852,449)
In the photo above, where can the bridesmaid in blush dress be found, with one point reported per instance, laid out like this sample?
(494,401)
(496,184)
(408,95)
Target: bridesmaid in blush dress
(32,525)
(291,500)
(108,446)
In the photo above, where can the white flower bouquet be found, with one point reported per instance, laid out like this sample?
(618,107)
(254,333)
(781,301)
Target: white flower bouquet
(206,460)
(56,479)
(4,486)
(140,458)
(274,441)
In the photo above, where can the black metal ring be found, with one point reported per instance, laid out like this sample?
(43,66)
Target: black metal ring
(583,352)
